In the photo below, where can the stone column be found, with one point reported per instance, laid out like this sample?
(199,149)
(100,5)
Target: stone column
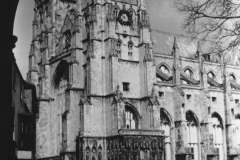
(176,67)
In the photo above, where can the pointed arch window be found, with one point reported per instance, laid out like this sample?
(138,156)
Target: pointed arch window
(192,134)
(211,75)
(61,79)
(165,126)
(189,72)
(115,12)
(163,73)
(212,79)
(232,77)
(165,70)
(67,39)
(131,121)
(130,52)
(118,48)
(217,129)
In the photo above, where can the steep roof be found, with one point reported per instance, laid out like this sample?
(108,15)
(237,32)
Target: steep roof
(187,46)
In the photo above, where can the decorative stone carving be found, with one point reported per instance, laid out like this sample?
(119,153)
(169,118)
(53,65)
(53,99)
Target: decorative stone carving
(118,96)
(153,99)
(148,56)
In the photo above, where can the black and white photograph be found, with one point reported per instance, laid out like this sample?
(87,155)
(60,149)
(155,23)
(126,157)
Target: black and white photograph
(120,80)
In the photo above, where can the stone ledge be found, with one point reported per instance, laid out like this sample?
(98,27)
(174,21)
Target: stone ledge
(137,132)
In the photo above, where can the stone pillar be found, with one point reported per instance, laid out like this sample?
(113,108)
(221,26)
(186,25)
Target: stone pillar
(176,67)
(202,71)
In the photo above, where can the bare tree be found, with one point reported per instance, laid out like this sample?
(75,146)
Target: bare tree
(215,20)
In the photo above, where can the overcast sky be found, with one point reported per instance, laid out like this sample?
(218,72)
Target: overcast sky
(162,17)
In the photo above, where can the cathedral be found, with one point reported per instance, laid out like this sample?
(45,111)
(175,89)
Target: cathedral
(110,88)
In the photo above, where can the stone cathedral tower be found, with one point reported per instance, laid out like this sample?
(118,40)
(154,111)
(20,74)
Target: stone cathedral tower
(92,63)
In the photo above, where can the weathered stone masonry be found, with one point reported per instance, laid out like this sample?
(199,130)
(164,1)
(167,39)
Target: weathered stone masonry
(109,88)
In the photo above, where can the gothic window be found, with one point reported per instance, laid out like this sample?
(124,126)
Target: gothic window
(189,72)
(130,47)
(130,119)
(115,12)
(64,131)
(94,153)
(61,79)
(118,48)
(232,77)
(211,75)
(217,129)
(165,126)
(100,153)
(192,135)
(67,39)
(164,69)
(24,134)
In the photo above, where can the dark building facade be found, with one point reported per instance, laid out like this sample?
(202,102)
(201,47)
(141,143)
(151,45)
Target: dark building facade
(24,105)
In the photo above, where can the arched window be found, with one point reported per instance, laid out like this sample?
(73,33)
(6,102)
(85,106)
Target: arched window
(232,77)
(217,128)
(192,134)
(130,47)
(164,69)
(189,72)
(118,48)
(211,75)
(67,39)
(115,12)
(165,126)
(131,120)
(61,79)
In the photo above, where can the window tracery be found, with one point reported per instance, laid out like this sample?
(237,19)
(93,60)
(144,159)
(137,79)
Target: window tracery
(165,126)
(130,119)
(164,69)
(61,79)
(211,75)
(118,48)
(189,72)
(115,12)
(192,134)
(217,129)
(67,39)
(130,48)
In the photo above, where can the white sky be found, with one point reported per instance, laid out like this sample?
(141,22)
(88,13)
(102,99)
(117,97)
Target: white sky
(162,17)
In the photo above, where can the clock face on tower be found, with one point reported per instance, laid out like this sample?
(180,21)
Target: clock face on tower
(124,18)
